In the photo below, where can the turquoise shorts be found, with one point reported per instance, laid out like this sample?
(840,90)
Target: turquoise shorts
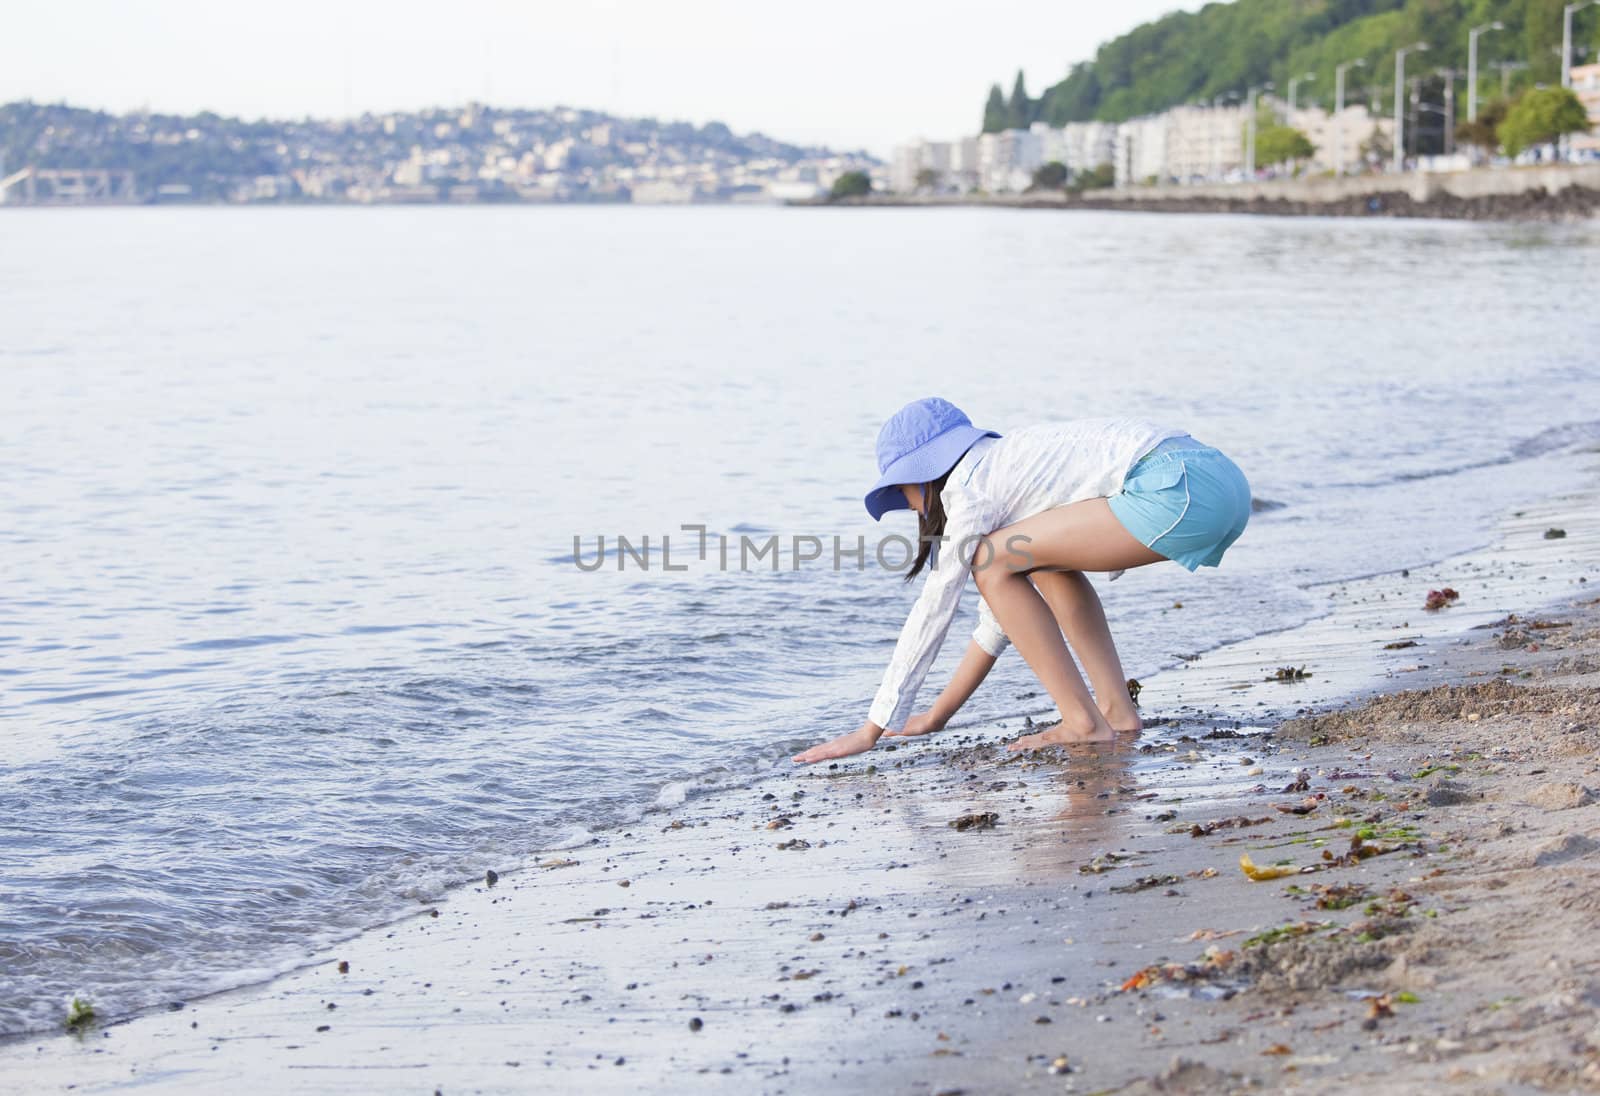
(1185,501)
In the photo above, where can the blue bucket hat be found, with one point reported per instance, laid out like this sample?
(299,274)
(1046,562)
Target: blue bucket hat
(920,443)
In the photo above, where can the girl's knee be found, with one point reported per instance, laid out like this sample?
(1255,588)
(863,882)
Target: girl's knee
(985,572)
(997,560)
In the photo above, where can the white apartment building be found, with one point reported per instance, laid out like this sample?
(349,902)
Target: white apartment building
(910,161)
(1586,85)
(1077,146)
(904,163)
(1338,137)
(1141,150)
(1089,144)
(1197,144)
(1007,160)
(1188,144)
(1052,143)
(1203,144)
(964,163)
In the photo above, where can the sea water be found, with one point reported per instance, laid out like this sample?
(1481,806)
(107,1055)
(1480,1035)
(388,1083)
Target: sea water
(292,633)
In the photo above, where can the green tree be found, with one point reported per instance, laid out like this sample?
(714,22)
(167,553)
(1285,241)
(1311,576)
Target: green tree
(1096,178)
(1377,148)
(1281,144)
(852,184)
(1541,116)
(927,179)
(1484,131)
(995,117)
(1019,110)
(1189,56)
(1052,176)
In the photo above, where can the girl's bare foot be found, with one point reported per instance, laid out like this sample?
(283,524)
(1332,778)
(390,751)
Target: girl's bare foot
(1065,733)
(1124,719)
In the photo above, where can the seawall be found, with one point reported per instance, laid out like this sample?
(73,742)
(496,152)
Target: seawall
(1553,192)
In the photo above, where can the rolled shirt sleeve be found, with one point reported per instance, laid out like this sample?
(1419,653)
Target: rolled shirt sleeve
(930,617)
(988,634)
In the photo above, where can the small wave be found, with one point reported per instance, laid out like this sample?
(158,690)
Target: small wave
(1550,440)
(574,838)
(234,643)
(1556,437)
(1262,506)
(671,795)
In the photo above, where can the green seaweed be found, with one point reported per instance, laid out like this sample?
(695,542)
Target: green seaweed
(1285,932)
(80,1014)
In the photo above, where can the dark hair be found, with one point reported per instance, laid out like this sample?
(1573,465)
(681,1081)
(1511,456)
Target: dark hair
(930,523)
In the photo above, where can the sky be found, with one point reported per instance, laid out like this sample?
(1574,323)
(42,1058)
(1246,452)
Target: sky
(844,73)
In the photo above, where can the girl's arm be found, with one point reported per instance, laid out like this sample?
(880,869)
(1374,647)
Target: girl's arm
(922,634)
(975,666)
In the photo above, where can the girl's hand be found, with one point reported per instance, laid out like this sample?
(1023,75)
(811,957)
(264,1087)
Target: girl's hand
(926,723)
(857,741)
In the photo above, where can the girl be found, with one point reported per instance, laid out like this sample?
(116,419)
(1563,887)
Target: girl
(1026,515)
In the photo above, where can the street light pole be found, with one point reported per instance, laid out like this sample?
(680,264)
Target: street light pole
(1250,130)
(1338,112)
(1294,83)
(1449,75)
(1399,100)
(1472,66)
(1506,69)
(1566,39)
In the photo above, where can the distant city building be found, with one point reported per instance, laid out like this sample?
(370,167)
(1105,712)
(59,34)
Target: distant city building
(1052,143)
(1007,160)
(1141,150)
(1203,144)
(793,190)
(1200,144)
(1349,131)
(473,154)
(1076,146)
(904,163)
(964,163)
(1586,84)
(1089,145)
(663,192)
(909,162)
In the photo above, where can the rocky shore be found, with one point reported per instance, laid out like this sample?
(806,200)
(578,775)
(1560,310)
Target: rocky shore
(1569,204)
(1554,193)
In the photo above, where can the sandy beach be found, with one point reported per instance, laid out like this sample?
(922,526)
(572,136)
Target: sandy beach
(941,916)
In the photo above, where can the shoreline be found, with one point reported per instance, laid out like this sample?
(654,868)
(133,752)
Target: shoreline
(1548,193)
(831,925)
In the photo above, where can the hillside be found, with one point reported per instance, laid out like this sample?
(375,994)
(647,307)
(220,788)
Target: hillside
(1225,47)
(476,151)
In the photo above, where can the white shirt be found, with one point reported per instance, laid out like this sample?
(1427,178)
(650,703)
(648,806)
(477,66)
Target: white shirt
(1000,481)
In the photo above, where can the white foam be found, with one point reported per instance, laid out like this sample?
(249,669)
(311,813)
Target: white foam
(672,795)
(576,837)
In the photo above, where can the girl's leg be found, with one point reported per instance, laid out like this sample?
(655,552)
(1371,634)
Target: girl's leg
(1072,598)
(1085,536)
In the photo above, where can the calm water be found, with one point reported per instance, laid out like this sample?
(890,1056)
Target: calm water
(290,633)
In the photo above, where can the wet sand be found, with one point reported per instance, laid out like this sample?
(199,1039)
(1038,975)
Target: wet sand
(940,916)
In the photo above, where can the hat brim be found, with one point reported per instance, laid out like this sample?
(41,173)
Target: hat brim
(924,464)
